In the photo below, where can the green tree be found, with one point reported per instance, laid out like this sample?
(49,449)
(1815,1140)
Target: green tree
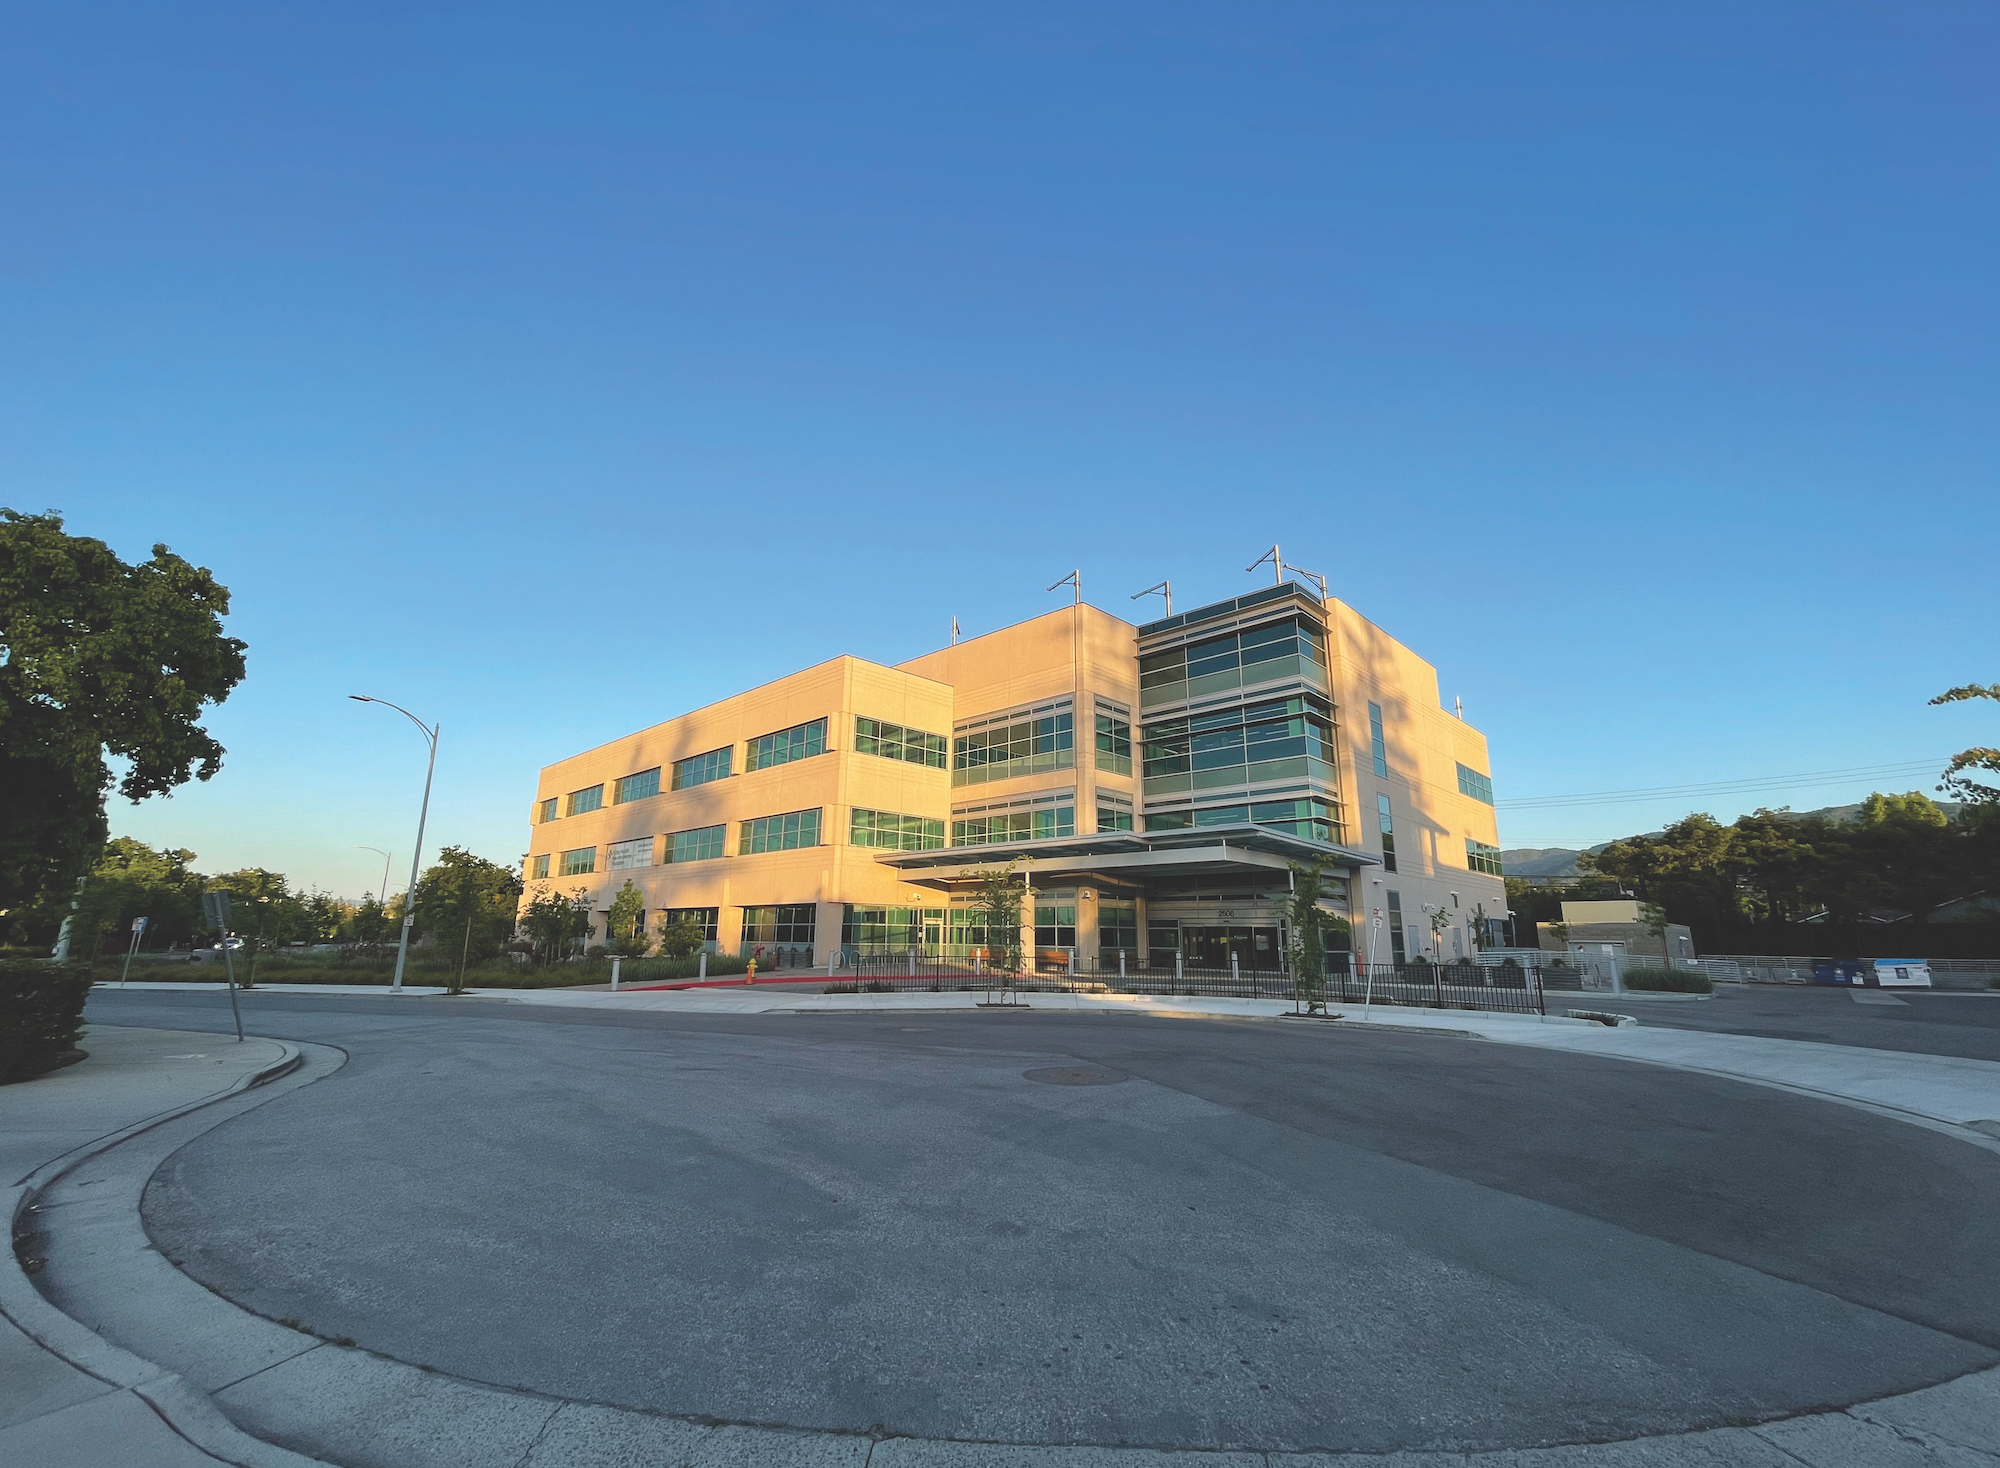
(1690,869)
(467,906)
(1955,779)
(1309,923)
(99,656)
(369,922)
(999,907)
(554,922)
(128,880)
(627,922)
(683,938)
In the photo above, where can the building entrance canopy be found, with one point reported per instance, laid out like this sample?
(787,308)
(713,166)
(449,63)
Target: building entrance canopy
(1125,858)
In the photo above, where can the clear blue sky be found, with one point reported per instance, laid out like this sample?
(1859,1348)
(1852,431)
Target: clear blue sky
(555,370)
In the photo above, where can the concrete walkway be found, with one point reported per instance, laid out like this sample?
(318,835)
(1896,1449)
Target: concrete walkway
(68,1399)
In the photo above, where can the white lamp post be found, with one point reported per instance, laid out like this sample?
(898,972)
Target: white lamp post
(430,734)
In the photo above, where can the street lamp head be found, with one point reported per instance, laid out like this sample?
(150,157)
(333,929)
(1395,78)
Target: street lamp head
(360,698)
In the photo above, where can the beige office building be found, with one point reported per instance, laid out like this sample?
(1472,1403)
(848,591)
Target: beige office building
(1155,783)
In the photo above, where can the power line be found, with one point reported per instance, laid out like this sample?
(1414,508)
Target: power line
(1744,786)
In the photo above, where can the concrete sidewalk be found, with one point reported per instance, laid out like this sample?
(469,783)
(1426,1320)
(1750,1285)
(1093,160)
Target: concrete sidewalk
(54,1412)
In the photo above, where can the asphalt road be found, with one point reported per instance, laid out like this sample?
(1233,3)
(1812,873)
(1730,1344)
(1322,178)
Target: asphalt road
(1928,1022)
(1249,1236)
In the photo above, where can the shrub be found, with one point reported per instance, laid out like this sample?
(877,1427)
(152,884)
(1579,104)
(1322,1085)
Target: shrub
(41,1015)
(1669,980)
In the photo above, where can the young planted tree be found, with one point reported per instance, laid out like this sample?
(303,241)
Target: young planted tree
(627,922)
(683,938)
(554,922)
(999,909)
(468,905)
(1309,923)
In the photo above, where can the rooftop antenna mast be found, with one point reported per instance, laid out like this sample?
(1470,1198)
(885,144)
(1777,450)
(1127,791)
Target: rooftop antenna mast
(1277,565)
(1165,588)
(1313,576)
(954,632)
(1075,578)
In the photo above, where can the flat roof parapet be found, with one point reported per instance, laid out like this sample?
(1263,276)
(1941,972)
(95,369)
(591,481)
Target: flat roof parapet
(1216,610)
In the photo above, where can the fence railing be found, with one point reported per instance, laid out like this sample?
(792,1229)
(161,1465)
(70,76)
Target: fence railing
(1497,988)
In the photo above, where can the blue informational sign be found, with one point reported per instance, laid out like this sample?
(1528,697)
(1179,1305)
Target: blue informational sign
(1856,971)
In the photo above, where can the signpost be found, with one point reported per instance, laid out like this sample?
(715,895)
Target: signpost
(138,931)
(215,911)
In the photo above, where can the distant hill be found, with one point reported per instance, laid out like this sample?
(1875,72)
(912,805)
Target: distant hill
(1549,861)
(1556,863)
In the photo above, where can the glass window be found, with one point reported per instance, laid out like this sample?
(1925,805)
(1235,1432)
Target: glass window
(1398,945)
(1483,858)
(1018,825)
(790,923)
(1388,820)
(893,741)
(1378,747)
(637,787)
(704,844)
(895,928)
(625,855)
(892,832)
(547,811)
(787,832)
(1114,818)
(1026,742)
(1114,744)
(1055,925)
(1478,786)
(1117,928)
(701,768)
(705,916)
(538,868)
(1241,745)
(581,801)
(1310,816)
(579,862)
(801,741)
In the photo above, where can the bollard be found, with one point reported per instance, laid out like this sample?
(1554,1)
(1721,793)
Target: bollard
(615,959)
(701,969)
(1177,966)
(1235,974)
(1121,965)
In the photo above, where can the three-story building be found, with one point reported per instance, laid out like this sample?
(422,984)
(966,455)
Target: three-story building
(1154,783)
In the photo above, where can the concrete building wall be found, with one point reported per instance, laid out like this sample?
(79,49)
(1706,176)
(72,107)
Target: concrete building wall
(1080,654)
(1425,745)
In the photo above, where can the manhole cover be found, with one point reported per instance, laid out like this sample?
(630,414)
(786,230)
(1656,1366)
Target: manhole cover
(1074,1075)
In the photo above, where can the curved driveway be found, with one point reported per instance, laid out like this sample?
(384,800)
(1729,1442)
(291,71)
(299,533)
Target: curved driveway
(1257,1237)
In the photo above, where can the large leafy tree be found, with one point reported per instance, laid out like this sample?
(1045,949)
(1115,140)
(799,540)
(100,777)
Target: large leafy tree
(97,656)
(1955,779)
(468,904)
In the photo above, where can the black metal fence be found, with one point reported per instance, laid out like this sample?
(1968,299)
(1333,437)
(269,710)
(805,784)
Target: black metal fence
(1505,989)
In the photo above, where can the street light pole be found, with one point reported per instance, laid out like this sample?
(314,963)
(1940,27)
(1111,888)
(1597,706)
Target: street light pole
(383,895)
(430,734)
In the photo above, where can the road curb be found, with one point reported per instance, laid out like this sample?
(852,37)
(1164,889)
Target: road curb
(184,1408)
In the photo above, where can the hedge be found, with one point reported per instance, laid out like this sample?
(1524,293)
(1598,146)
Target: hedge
(1669,980)
(41,1016)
